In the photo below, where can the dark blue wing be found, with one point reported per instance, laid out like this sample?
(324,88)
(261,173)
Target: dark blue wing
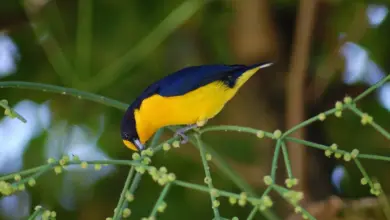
(191,78)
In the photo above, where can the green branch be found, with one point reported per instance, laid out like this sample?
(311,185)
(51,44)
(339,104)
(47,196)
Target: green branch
(370,121)
(118,210)
(371,89)
(208,179)
(65,91)
(274,165)
(10,112)
(287,161)
(160,200)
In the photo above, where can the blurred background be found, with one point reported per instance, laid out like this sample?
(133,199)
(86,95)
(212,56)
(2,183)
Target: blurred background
(323,51)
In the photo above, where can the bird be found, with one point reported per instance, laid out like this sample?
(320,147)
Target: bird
(189,97)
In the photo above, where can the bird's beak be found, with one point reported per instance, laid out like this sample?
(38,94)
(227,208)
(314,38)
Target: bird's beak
(139,145)
(265,65)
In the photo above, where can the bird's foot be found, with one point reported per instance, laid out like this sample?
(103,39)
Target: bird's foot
(181,133)
(184,138)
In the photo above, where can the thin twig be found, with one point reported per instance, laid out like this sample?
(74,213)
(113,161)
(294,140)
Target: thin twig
(287,160)
(160,199)
(118,210)
(208,176)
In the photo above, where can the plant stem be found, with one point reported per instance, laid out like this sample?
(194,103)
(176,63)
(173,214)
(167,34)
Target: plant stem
(255,208)
(234,128)
(371,89)
(118,212)
(207,190)
(163,194)
(287,160)
(363,171)
(65,91)
(274,165)
(208,175)
(35,214)
(17,115)
(373,123)
(280,190)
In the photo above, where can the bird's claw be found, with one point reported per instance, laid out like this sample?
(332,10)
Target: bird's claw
(184,138)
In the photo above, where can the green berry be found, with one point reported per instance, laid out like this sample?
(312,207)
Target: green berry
(260,134)
(216,204)
(364,181)
(84,165)
(347,157)
(136,156)
(277,134)
(126,213)
(232,200)
(354,153)
(339,105)
(347,100)
(176,144)
(17,177)
(322,117)
(31,182)
(333,147)
(166,147)
(268,180)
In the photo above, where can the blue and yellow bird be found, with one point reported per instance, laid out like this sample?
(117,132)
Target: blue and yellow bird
(189,97)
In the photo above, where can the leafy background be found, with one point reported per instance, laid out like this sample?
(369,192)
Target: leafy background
(113,48)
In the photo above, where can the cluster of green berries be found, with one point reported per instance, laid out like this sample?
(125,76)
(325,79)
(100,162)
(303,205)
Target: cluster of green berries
(264,203)
(366,119)
(144,158)
(7,188)
(242,200)
(8,111)
(290,182)
(293,196)
(298,210)
(376,187)
(65,161)
(161,175)
(125,212)
(167,146)
(338,154)
(339,106)
(46,214)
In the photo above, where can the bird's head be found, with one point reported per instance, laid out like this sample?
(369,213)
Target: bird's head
(129,133)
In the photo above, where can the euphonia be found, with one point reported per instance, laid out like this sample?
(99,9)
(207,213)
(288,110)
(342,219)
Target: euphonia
(190,97)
